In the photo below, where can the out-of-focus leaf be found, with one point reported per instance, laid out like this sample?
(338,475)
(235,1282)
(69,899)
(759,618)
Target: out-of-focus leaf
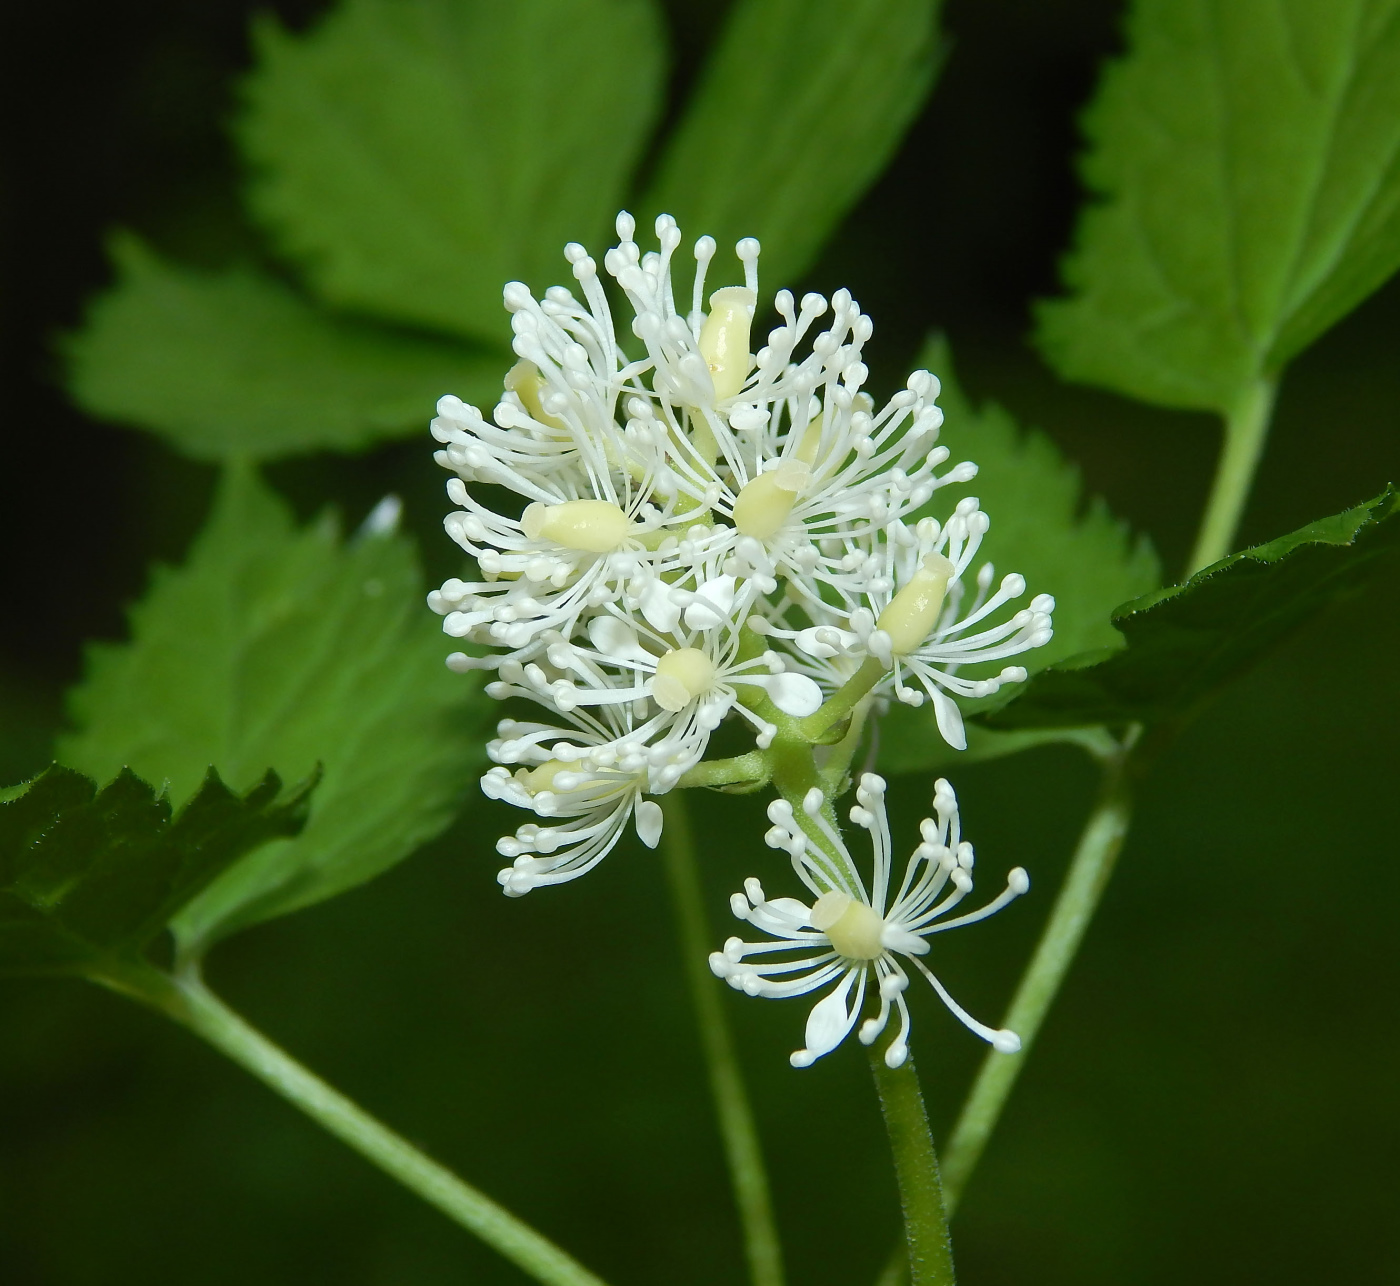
(1041,528)
(87,874)
(415,155)
(1248,154)
(235,363)
(273,645)
(796,113)
(1185,642)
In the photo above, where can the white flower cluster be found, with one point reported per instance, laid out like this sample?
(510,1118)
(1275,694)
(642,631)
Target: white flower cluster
(701,533)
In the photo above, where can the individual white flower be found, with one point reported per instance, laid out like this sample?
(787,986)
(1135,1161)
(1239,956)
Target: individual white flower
(590,776)
(914,617)
(850,939)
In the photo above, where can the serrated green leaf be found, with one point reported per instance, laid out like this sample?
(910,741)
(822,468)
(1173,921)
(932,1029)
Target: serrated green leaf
(274,645)
(415,155)
(1042,528)
(797,112)
(1248,154)
(87,874)
(1187,641)
(235,363)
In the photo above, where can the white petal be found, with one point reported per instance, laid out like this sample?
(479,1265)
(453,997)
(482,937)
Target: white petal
(658,608)
(825,641)
(950,722)
(829,1022)
(794,694)
(712,604)
(647,819)
(615,639)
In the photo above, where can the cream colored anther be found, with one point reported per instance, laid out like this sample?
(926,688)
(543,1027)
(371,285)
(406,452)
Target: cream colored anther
(724,339)
(853,928)
(524,380)
(542,778)
(913,612)
(764,503)
(681,676)
(593,526)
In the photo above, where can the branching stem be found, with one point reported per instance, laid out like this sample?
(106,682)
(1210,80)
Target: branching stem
(1092,864)
(192,1005)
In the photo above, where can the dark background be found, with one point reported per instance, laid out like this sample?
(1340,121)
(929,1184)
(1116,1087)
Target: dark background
(1214,1099)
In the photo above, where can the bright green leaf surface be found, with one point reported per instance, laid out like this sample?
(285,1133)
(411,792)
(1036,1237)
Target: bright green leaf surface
(415,155)
(795,115)
(1248,153)
(235,363)
(1079,553)
(1186,641)
(273,645)
(87,873)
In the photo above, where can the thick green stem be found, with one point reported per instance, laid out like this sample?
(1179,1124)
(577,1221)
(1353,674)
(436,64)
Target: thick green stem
(841,702)
(736,1123)
(930,1250)
(190,1003)
(1245,432)
(749,769)
(1093,861)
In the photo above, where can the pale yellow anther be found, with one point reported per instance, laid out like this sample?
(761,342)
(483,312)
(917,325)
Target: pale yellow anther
(913,612)
(681,676)
(811,440)
(724,339)
(593,526)
(764,503)
(542,778)
(524,380)
(853,928)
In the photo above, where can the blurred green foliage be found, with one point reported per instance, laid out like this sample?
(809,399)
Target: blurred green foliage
(290,648)
(89,875)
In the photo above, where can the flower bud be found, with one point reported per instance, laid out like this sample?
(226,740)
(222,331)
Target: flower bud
(724,339)
(765,502)
(524,380)
(681,676)
(913,612)
(593,526)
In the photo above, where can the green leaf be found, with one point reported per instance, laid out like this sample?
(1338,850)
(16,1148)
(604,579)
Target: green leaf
(1248,157)
(797,112)
(87,874)
(1042,528)
(273,645)
(235,363)
(1185,642)
(415,155)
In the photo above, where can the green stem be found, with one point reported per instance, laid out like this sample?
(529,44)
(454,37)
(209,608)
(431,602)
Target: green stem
(1246,429)
(841,702)
(747,1175)
(191,1004)
(1093,861)
(930,1249)
(751,769)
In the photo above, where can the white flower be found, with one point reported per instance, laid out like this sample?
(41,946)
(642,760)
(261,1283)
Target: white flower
(849,938)
(913,617)
(591,775)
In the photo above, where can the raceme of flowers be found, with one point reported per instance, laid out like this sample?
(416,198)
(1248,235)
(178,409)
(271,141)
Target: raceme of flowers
(850,937)
(700,534)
